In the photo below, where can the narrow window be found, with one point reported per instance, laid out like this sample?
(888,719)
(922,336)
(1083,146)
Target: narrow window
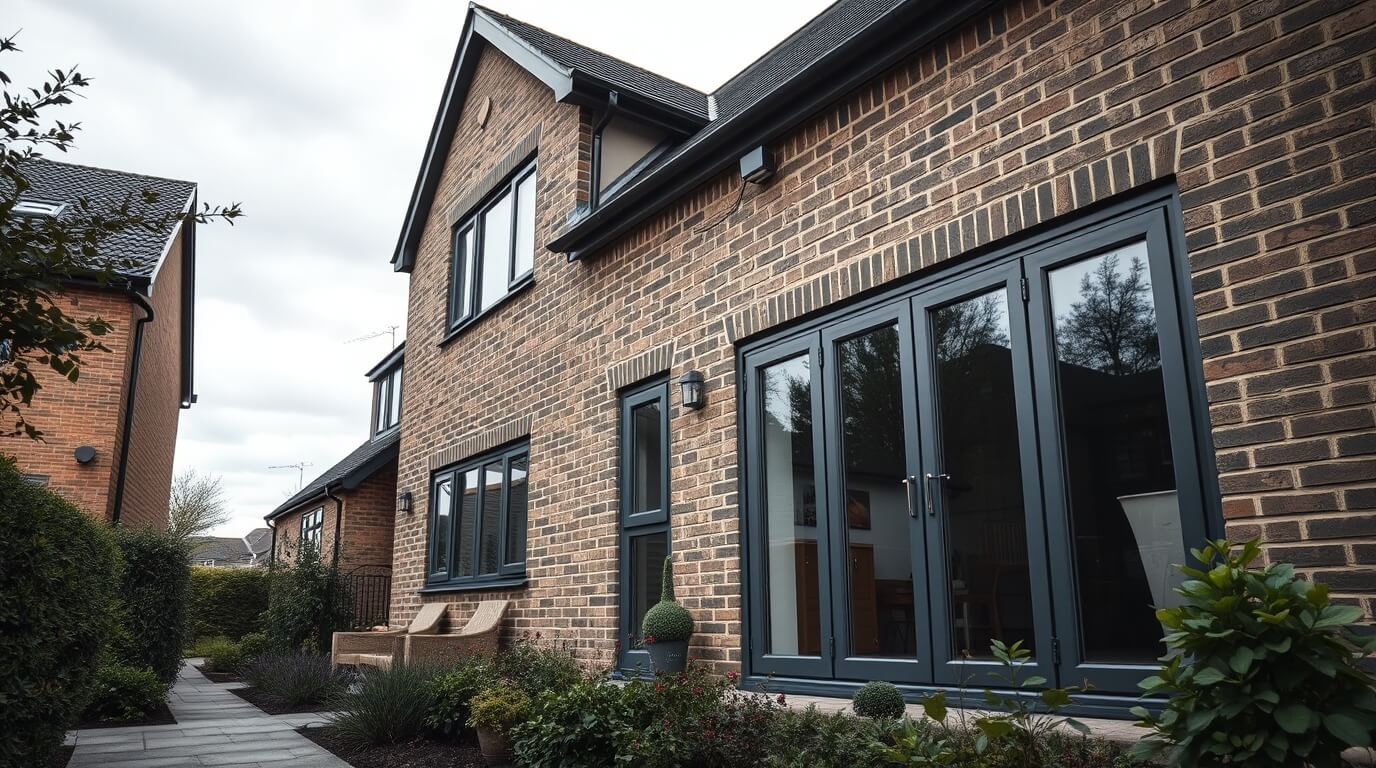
(645,531)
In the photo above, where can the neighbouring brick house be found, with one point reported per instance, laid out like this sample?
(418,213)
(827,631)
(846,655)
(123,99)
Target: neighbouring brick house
(996,307)
(109,438)
(349,510)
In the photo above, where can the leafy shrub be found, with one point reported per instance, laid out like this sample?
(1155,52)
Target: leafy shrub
(124,693)
(537,667)
(293,678)
(812,738)
(878,700)
(575,727)
(387,706)
(227,601)
(57,589)
(672,714)
(307,602)
(737,732)
(450,692)
(253,644)
(152,597)
(1272,677)
(221,654)
(499,708)
(667,621)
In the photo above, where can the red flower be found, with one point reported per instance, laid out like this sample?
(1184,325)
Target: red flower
(781,699)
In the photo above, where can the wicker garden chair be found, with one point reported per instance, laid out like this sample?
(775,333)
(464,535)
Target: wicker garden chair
(380,649)
(479,635)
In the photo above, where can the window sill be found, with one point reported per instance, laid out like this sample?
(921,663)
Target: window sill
(520,287)
(511,582)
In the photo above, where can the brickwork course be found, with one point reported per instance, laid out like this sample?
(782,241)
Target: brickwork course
(1261,113)
(365,544)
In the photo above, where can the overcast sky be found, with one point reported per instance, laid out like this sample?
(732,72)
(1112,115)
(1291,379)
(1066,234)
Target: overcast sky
(313,115)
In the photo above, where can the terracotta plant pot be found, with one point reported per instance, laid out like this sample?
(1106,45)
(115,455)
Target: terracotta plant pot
(494,746)
(669,656)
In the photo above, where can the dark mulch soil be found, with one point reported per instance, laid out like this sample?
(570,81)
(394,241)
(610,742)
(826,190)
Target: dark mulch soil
(160,716)
(421,753)
(61,757)
(219,677)
(273,707)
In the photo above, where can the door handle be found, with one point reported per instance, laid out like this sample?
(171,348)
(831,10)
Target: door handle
(931,492)
(908,483)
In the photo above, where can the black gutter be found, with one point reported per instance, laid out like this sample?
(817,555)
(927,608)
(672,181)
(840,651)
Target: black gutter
(129,402)
(793,101)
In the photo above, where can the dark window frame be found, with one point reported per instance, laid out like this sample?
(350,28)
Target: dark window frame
(508,573)
(1190,426)
(312,526)
(382,401)
(459,316)
(631,524)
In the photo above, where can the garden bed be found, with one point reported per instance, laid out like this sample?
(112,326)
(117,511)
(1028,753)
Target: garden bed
(420,753)
(272,706)
(61,757)
(219,677)
(161,715)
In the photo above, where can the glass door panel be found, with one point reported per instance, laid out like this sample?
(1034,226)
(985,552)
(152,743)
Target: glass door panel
(791,632)
(1123,474)
(881,627)
(986,542)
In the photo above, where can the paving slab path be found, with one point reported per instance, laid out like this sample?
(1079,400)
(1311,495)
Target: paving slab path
(214,728)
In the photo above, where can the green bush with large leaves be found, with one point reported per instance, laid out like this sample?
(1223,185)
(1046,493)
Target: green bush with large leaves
(152,602)
(1263,669)
(227,602)
(58,571)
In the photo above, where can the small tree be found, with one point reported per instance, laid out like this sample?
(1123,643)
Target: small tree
(39,255)
(307,602)
(197,504)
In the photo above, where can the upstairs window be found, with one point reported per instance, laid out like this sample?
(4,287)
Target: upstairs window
(311,523)
(387,402)
(493,249)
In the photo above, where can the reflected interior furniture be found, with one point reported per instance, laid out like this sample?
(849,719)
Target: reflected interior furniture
(480,635)
(381,649)
(809,604)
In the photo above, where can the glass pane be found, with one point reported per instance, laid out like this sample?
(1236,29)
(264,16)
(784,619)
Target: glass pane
(1120,476)
(468,512)
(383,398)
(496,252)
(439,535)
(463,273)
(878,546)
(525,226)
(647,439)
(790,499)
(647,569)
(987,571)
(394,416)
(492,508)
(516,510)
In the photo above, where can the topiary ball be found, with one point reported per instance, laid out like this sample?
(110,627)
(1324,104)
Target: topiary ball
(878,701)
(667,621)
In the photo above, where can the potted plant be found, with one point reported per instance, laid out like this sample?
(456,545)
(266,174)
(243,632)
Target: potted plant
(667,627)
(493,713)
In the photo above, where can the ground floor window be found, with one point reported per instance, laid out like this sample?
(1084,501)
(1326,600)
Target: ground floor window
(644,515)
(311,524)
(478,513)
(1007,451)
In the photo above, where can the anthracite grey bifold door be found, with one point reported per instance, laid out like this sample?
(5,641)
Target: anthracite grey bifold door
(1010,452)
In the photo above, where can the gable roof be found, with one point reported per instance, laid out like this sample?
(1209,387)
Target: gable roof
(348,474)
(222,549)
(837,51)
(258,540)
(51,181)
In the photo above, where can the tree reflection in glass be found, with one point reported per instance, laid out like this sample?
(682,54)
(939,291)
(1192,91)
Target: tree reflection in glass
(1120,478)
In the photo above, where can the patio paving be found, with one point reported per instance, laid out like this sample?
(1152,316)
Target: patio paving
(214,728)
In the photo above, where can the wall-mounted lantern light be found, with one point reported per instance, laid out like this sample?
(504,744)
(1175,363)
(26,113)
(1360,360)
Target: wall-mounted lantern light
(404,502)
(693,389)
(85,454)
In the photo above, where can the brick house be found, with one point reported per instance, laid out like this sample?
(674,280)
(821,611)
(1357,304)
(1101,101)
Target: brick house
(348,511)
(109,438)
(940,322)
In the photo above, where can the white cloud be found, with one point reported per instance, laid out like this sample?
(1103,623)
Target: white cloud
(314,115)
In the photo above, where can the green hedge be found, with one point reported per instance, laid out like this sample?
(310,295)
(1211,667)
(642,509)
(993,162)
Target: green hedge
(58,572)
(227,602)
(153,596)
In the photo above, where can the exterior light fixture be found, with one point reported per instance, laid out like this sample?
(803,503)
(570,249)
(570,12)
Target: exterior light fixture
(404,502)
(693,390)
(85,454)
(757,165)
